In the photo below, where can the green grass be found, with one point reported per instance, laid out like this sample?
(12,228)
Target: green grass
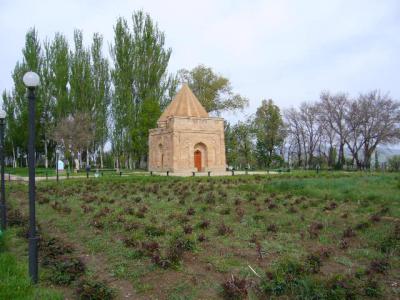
(15,283)
(41,172)
(268,223)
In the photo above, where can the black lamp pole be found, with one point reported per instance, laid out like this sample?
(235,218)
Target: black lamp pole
(3,206)
(57,163)
(33,239)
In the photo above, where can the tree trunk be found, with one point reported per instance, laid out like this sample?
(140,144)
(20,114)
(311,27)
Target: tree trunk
(87,156)
(101,157)
(14,159)
(46,160)
(80,159)
(341,155)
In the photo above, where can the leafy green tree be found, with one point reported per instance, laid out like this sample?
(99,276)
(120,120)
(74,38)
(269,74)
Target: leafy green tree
(122,105)
(101,94)
(32,61)
(376,160)
(244,135)
(332,157)
(142,86)
(81,82)
(270,132)
(394,163)
(231,147)
(214,91)
(11,126)
(60,64)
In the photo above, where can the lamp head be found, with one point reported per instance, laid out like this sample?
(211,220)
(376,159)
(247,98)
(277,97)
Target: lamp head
(31,79)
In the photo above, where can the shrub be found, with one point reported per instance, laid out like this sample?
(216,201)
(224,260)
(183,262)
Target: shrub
(283,278)
(224,229)
(154,231)
(97,223)
(240,212)
(314,229)
(66,270)
(235,288)
(202,238)
(204,224)
(131,226)
(372,288)
(89,289)
(331,206)
(272,228)
(375,218)
(210,198)
(129,210)
(378,266)
(53,248)
(225,211)
(323,252)
(348,233)
(174,252)
(394,163)
(362,226)
(86,208)
(313,263)
(191,211)
(130,242)
(149,248)
(187,229)
(343,244)
(16,218)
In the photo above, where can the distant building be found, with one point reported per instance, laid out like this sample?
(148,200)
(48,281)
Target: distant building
(186,138)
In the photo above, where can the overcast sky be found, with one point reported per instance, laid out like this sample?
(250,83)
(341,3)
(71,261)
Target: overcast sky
(286,50)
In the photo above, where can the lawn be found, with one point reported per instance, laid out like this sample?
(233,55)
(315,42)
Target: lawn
(43,172)
(331,235)
(14,283)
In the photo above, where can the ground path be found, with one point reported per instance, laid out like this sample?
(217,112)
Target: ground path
(10,177)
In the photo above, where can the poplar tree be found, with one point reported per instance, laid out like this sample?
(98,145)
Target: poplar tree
(122,97)
(60,63)
(31,61)
(81,93)
(142,85)
(101,94)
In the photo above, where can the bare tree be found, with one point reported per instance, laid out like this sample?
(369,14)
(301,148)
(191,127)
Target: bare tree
(75,134)
(311,130)
(380,118)
(294,133)
(333,111)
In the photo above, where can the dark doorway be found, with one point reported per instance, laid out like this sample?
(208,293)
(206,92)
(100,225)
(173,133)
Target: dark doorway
(197,160)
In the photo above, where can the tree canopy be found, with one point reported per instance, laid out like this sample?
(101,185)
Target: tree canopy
(214,91)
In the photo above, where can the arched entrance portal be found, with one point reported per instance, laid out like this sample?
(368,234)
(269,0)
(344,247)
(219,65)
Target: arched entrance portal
(200,157)
(197,160)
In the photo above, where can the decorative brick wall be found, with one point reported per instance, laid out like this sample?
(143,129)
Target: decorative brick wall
(173,143)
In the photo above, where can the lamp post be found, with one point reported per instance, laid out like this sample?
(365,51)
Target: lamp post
(3,207)
(57,158)
(31,81)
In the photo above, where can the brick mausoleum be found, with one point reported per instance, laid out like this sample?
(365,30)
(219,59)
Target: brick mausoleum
(186,138)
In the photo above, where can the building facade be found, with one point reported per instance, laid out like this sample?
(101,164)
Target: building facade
(186,138)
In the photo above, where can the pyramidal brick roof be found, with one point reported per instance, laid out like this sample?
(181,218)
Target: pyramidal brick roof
(184,104)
